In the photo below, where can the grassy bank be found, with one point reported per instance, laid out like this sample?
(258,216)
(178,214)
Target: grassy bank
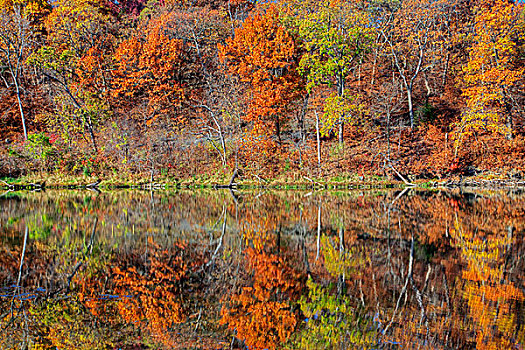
(290,181)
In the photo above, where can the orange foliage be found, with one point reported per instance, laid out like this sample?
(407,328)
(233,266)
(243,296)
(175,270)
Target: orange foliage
(491,74)
(261,314)
(149,68)
(264,55)
(485,287)
(155,295)
(90,71)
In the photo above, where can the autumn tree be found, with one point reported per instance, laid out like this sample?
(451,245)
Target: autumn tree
(264,55)
(15,36)
(485,285)
(412,33)
(331,321)
(335,36)
(78,32)
(150,69)
(206,100)
(155,292)
(492,76)
(262,311)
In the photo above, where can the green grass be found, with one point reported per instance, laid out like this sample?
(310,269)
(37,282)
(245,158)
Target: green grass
(291,180)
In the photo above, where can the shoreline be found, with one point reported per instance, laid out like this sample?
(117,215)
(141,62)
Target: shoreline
(32,183)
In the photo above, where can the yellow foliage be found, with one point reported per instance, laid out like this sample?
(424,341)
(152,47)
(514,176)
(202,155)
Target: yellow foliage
(29,6)
(490,73)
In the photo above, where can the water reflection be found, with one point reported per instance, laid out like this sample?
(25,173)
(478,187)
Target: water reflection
(262,270)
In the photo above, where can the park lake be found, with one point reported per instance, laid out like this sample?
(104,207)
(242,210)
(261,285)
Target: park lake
(257,269)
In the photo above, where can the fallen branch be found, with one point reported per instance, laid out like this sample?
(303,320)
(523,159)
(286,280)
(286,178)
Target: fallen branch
(313,181)
(94,184)
(231,184)
(260,178)
(401,176)
(234,175)
(391,166)
(7,184)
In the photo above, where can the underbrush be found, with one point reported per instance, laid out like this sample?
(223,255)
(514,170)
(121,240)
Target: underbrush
(422,154)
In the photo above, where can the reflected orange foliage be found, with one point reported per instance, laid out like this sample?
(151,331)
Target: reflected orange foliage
(261,313)
(490,295)
(156,296)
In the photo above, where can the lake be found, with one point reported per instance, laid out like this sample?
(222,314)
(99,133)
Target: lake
(256,269)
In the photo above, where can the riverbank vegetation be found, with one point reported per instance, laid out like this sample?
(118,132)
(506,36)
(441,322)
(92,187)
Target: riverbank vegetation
(184,89)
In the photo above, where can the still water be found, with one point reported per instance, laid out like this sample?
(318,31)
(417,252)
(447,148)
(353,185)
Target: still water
(262,270)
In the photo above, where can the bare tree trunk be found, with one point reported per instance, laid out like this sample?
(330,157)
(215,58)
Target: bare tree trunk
(410,107)
(510,135)
(427,86)
(219,132)
(341,132)
(234,176)
(223,144)
(375,60)
(342,116)
(14,32)
(92,135)
(302,132)
(22,258)
(318,141)
(509,121)
(318,230)
(401,69)
(20,106)
(445,72)
(342,277)
(278,130)
(388,135)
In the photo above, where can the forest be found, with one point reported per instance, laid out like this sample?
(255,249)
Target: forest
(426,89)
